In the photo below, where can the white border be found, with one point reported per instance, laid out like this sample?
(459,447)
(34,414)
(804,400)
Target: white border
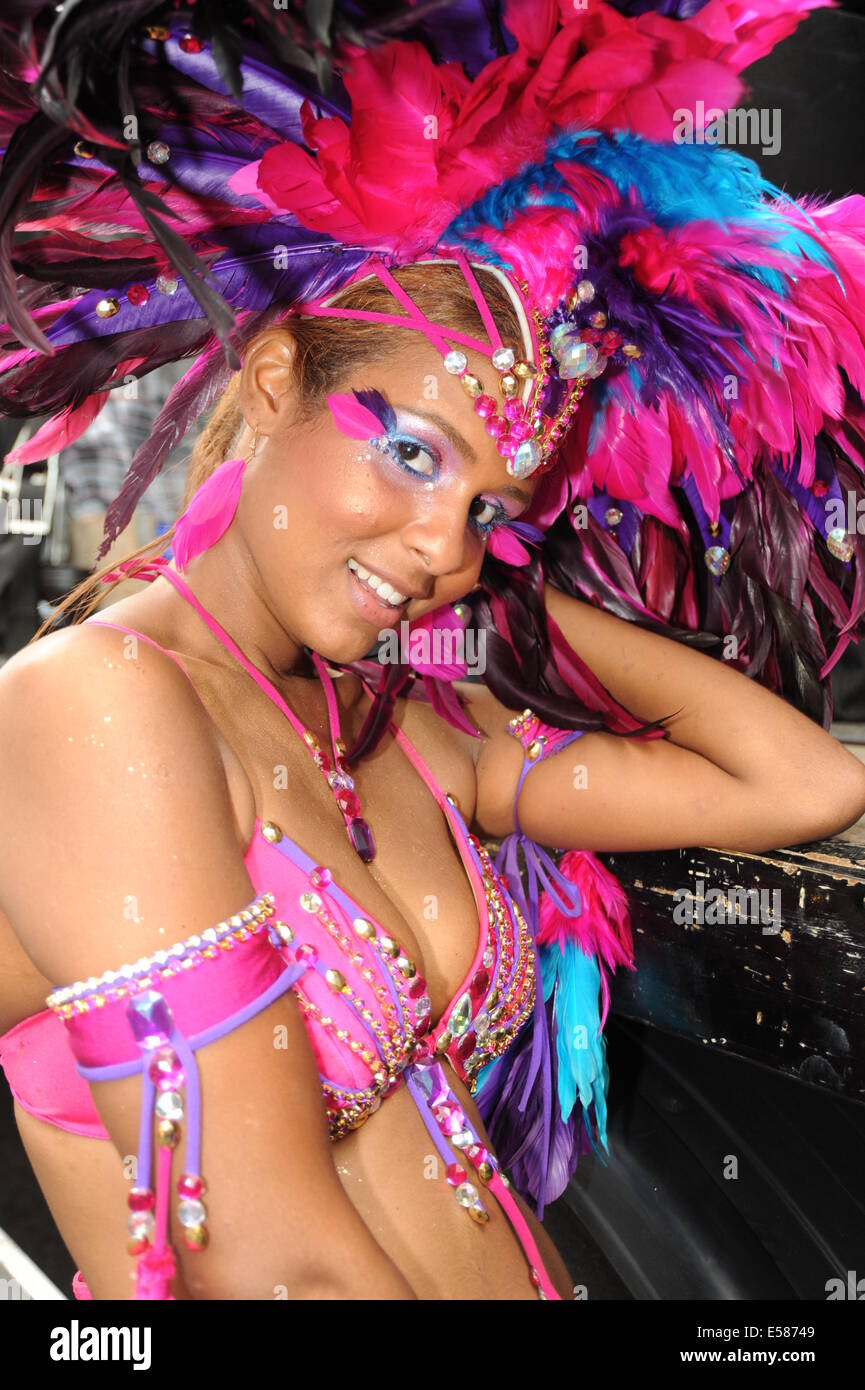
(26,1273)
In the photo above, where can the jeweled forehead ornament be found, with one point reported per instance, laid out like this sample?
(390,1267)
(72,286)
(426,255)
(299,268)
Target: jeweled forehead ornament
(525,434)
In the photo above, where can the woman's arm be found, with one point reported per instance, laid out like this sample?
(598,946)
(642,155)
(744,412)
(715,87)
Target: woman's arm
(120,841)
(740,768)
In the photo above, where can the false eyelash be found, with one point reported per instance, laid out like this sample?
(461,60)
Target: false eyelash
(485,527)
(387,443)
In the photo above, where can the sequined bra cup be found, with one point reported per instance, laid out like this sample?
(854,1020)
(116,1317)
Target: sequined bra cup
(365,1008)
(365,1003)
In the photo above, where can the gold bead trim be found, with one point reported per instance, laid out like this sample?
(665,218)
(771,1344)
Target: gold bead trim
(184,955)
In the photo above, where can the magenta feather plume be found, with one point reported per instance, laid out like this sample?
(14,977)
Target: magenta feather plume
(351,417)
(59,432)
(504,545)
(362,414)
(210,512)
(603,927)
(445,622)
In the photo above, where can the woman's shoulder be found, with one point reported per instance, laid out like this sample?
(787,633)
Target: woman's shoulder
(87,660)
(81,692)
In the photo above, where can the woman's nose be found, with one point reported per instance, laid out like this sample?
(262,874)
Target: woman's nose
(439,537)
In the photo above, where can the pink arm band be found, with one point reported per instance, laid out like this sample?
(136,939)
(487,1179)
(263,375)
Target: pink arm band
(151,1018)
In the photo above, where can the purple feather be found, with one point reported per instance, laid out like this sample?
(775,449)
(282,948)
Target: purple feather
(381,409)
(671,9)
(268,93)
(532,534)
(626,529)
(540,1153)
(685,351)
(250,276)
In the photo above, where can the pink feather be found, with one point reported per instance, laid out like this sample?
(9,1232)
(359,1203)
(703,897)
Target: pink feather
(504,545)
(444,621)
(603,928)
(59,432)
(352,418)
(210,512)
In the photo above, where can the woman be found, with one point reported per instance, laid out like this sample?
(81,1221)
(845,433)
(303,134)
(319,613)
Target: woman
(378,934)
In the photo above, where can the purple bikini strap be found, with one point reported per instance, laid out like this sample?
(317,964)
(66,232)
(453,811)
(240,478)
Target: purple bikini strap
(541,872)
(289,976)
(553,745)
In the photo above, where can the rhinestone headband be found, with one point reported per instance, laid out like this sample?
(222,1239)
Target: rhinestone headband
(525,436)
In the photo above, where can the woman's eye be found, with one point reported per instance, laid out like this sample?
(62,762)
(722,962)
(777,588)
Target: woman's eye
(413,455)
(489,517)
(422,461)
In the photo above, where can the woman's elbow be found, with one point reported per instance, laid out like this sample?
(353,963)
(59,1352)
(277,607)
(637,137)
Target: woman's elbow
(842,799)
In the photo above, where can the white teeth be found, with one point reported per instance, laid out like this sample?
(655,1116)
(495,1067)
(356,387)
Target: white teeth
(380,587)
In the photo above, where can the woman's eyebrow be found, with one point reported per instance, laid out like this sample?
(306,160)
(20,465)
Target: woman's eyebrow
(460,442)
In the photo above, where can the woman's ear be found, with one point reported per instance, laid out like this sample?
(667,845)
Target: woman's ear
(268,388)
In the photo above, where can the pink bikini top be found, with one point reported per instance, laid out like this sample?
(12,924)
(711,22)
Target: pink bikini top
(364,1003)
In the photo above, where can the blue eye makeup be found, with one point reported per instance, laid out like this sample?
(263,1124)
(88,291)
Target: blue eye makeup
(499,517)
(410,454)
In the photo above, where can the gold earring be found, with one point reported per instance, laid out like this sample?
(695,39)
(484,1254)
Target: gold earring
(254,445)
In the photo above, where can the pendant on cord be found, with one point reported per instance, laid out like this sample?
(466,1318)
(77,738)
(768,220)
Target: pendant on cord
(362,839)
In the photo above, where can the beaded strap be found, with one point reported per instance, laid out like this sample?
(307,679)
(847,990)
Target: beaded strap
(541,872)
(526,727)
(454,1135)
(541,869)
(98,990)
(170,1082)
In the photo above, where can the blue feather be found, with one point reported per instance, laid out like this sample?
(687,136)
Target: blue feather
(677,184)
(580,1046)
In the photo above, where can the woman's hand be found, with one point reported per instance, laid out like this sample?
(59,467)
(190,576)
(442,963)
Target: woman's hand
(740,768)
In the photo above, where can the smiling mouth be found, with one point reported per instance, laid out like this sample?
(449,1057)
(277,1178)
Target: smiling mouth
(385,593)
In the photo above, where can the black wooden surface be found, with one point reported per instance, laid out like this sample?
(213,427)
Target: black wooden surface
(787,992)
(790,993)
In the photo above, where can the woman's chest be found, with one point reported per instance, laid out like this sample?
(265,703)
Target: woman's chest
(418,888)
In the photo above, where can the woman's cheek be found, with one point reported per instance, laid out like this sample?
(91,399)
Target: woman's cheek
(373,487)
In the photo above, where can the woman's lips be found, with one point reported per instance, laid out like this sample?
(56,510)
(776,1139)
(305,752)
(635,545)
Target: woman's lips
(373,609)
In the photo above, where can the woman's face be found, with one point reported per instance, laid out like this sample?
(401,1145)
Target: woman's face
(317,504)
